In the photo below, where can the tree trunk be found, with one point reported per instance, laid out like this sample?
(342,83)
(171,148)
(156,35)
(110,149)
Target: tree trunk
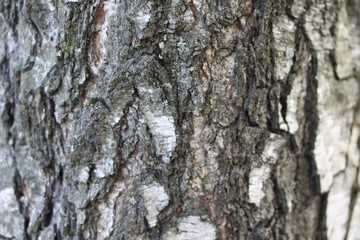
(179,119)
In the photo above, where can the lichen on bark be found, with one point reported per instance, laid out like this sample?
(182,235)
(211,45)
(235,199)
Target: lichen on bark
(180,119)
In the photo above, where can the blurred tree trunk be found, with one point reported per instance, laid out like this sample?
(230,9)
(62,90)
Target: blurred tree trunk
(179,119)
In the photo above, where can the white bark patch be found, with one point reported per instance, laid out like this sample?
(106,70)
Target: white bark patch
(5,156)
(284,34)
(84,175)
(256,183)
(104,168)
(142,17)
(163,129)
(155,199)
(271,150)
(336,101)
(353,150)
(10,216)
(295,100)
(147,90)
(317,29)
(7,200)
(198,5)
(105,224)
(107,211)
(47,54)
(297,8)
(21,50)
(354,231)
(347,48)
(191,228)
(337,210)
(189,16)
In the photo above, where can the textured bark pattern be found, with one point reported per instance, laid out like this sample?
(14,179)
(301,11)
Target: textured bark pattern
(179,119)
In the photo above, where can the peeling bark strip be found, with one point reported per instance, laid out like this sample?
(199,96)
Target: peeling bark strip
(191,119)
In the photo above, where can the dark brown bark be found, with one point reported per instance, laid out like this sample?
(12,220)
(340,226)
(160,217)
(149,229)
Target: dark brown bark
(179,119)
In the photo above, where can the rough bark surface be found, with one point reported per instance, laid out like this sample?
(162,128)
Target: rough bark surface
(179,119)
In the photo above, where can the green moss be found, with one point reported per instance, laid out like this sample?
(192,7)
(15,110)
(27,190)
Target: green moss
(93,100)
(93,148)
(67,231)
(67,46)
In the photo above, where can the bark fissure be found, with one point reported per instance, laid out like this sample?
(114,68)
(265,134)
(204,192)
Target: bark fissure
(22,194)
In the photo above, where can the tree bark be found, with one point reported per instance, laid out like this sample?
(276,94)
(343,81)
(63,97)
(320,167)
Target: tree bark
(179,119)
